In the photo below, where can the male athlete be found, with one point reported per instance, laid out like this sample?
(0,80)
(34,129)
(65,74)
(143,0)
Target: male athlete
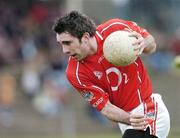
(122,94)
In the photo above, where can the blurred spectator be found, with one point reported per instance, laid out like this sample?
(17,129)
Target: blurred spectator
(121,8)
(175,43)
(161,61)
(151,13)
(51,99)
(96,116)
(30,80)
(7,98)
(39,12)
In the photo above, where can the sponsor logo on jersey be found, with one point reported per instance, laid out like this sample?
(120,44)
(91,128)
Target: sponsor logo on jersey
(100,100)
(88,96)
(150,115)
(98,74)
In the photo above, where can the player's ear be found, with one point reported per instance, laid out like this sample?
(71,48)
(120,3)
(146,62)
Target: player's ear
(85,38)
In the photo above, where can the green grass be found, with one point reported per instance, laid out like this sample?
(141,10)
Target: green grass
(114,135)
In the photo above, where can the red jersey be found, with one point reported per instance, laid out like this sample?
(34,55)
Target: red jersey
(99,81)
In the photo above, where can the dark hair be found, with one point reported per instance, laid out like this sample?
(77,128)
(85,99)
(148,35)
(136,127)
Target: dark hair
(76,24)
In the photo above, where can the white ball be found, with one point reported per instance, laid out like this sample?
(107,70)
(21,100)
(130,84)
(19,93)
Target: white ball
(118,48)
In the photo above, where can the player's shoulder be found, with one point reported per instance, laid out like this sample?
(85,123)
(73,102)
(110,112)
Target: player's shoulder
(113,25)
(71,71)
(71,67)
(114,21)
(74,71)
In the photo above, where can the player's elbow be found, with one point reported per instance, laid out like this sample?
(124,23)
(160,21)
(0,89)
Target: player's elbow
(106,111)
(110,112)
(151,47)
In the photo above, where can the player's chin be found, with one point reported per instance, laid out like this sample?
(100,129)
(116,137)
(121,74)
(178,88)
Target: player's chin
(78,58)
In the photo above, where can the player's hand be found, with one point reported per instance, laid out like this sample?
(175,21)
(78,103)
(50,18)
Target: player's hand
(138,121)
(139,44)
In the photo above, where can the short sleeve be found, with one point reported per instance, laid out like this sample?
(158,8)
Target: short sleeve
(93,94)
(138,29)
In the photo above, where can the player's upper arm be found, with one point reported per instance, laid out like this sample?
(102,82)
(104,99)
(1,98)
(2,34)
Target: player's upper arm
(93,94)
(138,29)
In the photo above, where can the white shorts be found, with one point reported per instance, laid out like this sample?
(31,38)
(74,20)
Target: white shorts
(159,120)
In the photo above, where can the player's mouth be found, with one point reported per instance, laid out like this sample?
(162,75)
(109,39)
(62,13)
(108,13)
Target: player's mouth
(76,56)
(73,55)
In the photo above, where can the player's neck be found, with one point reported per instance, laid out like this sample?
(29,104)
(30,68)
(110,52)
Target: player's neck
(93,46)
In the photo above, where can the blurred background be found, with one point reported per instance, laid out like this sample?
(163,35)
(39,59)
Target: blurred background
(35,98)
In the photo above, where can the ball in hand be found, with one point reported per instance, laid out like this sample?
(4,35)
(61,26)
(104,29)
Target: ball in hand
(118,48)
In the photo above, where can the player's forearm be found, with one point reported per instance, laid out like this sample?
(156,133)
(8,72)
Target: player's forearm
(115,114)
(150,45)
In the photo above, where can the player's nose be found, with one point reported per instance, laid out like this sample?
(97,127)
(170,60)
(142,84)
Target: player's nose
(65,50)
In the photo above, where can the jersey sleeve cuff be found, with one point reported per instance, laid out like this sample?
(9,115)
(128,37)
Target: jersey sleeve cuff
(101,105)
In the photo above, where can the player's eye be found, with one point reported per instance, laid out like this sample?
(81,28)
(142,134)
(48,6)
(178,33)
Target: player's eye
(66,42)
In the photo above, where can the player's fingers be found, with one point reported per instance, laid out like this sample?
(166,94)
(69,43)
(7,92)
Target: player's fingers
(137,120)
(140,51)
(137,47)
(139,127)
(134,34)
(143,123)
(138,41)
(136,115)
